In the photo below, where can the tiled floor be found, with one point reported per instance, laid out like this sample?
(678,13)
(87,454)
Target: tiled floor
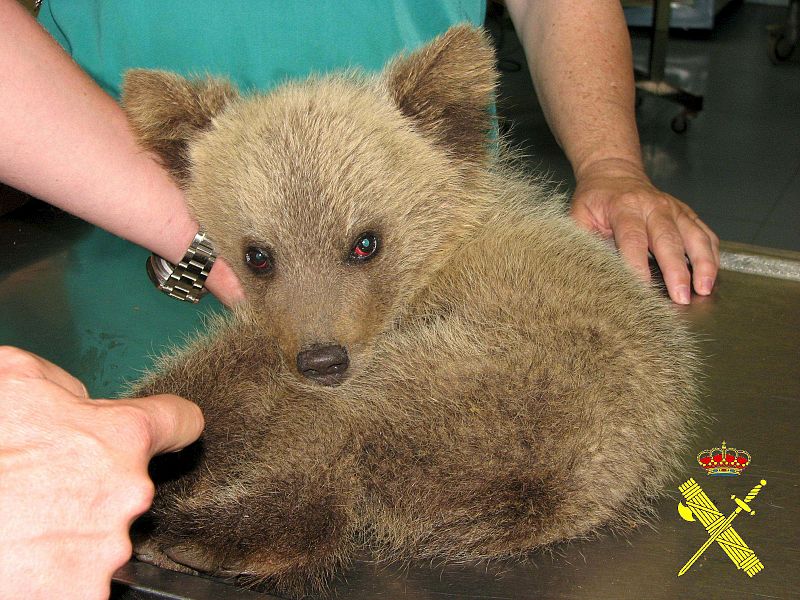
(738,165)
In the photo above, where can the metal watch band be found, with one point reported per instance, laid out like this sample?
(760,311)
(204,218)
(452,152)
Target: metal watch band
(185,281)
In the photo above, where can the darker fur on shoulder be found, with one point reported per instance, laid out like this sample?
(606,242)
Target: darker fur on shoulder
(500,364)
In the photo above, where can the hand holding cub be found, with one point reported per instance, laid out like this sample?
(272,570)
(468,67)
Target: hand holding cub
(74,476)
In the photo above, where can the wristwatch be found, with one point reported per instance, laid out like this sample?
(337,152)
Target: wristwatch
(187,280)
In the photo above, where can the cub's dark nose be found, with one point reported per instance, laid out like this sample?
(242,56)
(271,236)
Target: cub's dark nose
(323,364)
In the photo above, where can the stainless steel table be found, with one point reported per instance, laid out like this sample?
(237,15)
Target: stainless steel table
(80,298)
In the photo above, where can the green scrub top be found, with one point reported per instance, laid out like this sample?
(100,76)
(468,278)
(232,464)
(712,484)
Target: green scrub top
(257,44)
(89,306)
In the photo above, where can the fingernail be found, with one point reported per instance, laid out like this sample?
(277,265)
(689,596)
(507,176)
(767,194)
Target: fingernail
(683,294)
(706,285)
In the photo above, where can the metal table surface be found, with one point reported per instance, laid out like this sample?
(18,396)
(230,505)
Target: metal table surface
(80,298)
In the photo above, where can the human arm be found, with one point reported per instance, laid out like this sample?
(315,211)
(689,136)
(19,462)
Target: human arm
(580,60)
(65,141)
(73,476)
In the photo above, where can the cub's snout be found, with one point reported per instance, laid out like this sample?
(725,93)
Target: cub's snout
(326,365)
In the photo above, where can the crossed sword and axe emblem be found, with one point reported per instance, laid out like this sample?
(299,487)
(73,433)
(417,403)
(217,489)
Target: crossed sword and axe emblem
(720,528)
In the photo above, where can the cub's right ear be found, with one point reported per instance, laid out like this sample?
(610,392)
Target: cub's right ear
(167,111)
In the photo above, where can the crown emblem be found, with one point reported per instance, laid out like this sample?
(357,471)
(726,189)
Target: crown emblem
(724,461)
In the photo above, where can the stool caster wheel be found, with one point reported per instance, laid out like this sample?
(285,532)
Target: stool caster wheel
(780,48)
(680,122)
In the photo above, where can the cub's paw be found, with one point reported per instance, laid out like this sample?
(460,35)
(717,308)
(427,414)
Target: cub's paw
(149,552)
(272,574)
(187,558)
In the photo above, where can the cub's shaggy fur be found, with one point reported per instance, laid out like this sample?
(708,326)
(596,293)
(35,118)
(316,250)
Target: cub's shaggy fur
(510,382)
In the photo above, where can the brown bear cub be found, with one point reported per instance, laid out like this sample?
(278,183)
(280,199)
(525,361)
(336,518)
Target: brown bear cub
(433,361)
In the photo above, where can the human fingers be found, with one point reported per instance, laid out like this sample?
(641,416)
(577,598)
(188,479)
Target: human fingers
(166,423)
(702,248)
(21,363)
(630,236)
(224,284)
(668,248)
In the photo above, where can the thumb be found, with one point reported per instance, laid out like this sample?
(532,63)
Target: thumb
(582,215)
(172,422)
(590,212)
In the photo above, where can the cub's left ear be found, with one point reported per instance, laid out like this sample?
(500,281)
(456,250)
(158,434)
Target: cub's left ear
(447,89)
(167,111)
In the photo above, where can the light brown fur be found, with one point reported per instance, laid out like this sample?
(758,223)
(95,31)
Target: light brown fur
(511,382)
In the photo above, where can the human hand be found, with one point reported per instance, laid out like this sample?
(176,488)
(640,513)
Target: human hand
(616,198)
(73,476)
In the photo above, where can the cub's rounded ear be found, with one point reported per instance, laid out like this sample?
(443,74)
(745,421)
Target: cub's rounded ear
(166,111)
(447,88)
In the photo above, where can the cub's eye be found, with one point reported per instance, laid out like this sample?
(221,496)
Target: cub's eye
(365,247)
(259,260)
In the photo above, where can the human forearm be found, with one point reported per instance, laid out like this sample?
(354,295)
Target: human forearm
(580,60)
(65,141)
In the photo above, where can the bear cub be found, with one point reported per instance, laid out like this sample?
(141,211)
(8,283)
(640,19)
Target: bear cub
(432,361)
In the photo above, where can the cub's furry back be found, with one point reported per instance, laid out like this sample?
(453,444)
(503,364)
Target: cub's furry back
(432,360)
